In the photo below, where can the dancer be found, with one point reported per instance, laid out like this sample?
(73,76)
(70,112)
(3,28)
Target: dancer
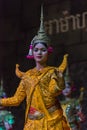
(41,86)
(72,106)
(7,119)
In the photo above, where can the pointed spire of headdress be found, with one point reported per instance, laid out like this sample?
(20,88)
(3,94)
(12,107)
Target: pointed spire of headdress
(41,29)
(41,34)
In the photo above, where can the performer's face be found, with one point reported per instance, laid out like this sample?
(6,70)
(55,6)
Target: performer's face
(67,91)
(40,53)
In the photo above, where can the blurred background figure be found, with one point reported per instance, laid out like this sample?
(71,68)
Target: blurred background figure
(6,117)
(71,105)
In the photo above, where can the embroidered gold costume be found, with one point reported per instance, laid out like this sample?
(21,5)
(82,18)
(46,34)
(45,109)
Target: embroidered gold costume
(40,88)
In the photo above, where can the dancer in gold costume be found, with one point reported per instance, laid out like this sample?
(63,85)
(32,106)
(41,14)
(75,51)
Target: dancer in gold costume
(72,107)
(40,86)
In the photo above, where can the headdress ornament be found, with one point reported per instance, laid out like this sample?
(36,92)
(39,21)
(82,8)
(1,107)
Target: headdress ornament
(41,37)
(67,76)
(68,80)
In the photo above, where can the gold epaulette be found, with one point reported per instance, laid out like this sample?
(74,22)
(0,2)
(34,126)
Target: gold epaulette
(63,65)
(18,73)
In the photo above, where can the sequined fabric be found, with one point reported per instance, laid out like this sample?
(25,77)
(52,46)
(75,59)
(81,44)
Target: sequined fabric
(40,88)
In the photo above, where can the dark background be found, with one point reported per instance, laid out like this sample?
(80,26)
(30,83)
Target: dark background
(19,22)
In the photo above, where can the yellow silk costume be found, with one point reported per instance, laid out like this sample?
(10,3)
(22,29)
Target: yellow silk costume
(40,89)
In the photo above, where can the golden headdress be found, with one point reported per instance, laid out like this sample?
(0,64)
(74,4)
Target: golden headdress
(41,37)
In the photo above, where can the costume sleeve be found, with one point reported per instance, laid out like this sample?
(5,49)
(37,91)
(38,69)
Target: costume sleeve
(56,84)
(17,98)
